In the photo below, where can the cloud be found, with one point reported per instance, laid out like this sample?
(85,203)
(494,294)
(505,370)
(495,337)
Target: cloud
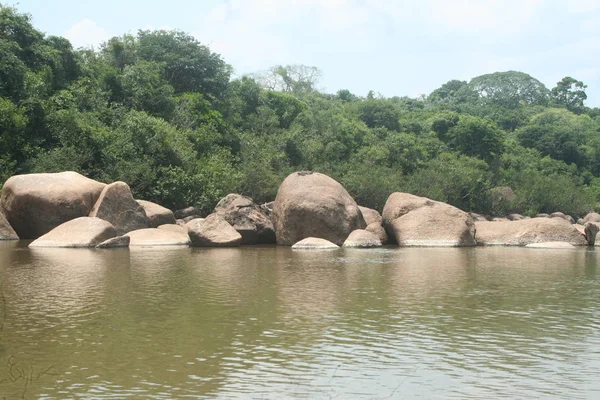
(86,33)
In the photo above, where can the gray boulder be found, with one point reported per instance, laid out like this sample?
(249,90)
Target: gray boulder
(34,204)
(157,214)
(117,206)
(310,204)
(419,221)
(248,218)
(79,232)
(213,231)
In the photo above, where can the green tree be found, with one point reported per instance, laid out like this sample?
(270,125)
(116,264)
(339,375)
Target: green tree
(570,93)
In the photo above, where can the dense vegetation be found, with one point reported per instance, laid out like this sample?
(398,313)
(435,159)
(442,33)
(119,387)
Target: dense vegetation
(160,111)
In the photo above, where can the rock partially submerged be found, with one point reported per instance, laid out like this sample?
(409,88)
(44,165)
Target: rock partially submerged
(248,218)
(528,231)
(157,214)
(116,242)
(361,238)
(6,231)
(117,206)
(79,232)
(419,221)
(213,231)
(589,230)
(378,230)
(34,204)
(551,245)
(310,204)
(312,243)
(152,237)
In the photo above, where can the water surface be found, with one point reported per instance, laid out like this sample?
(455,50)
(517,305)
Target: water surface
(266,322)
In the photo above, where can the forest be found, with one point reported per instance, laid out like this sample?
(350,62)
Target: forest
(162,112)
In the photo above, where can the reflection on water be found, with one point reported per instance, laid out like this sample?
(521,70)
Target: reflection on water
(266,322)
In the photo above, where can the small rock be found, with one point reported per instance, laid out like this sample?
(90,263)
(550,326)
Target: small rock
(116,242)
(213,231)
(379,231)
(361,238)
(370,215)
(157,214)
(151,237)
(312,243)
(551,245)
(79,232)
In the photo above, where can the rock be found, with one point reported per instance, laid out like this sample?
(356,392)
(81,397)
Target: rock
(180,222)
(378,230)
(419,221)
(478,217)
(580,221)
(551,245)
(362,239)
(190,218)
(500,219)
(310,204)
(543,215)
(515,217)
(527,231)
(35,204)
(312,243)
(157,214)
(591,217)
(79,232)
(370,215)
(6,231)
(188,212)
(175,228)
(116,242)
(563,216)
(213,231)
(151,237)
(117,206)
(249,219)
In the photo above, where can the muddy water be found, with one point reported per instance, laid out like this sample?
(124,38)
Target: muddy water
(266,322)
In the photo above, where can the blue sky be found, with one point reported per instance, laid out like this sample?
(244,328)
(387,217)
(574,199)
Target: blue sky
(396,48)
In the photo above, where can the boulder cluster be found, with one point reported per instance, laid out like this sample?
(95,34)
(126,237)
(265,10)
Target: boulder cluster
(310,211)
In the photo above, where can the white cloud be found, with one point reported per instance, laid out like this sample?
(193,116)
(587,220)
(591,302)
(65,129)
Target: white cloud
(86,33)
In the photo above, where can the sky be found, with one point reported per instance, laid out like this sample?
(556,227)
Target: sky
(393,47)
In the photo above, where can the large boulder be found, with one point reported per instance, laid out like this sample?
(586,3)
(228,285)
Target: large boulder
(310,204)
(418,221)
(311,243)
(6,231)
(79,232)
(34,204)
(157,214)
(370,215)
(152,237)
(563,216)
(213,231)
(527,231)
(117,206)
(248,218)
(361,238)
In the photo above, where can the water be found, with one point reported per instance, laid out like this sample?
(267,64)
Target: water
(266,322)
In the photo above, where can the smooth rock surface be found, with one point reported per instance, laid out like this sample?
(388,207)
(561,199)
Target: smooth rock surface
(563,216)
(116,242)
(213,231)
(157,214)
(312,243)
(592,217)
(151,237)
(370,215)
(248,218)
(6,231)
(34,204)
(310,204)
(79,232)
(418,221)
(361,238)
(175,228)
(378,230)
(527,231)
(551,245)
(117,206)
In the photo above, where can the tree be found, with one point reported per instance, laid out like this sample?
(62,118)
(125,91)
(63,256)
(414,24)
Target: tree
(296,79)
(570,93)
(510,89)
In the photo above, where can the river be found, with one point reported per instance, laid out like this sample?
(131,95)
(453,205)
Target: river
(272,323)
